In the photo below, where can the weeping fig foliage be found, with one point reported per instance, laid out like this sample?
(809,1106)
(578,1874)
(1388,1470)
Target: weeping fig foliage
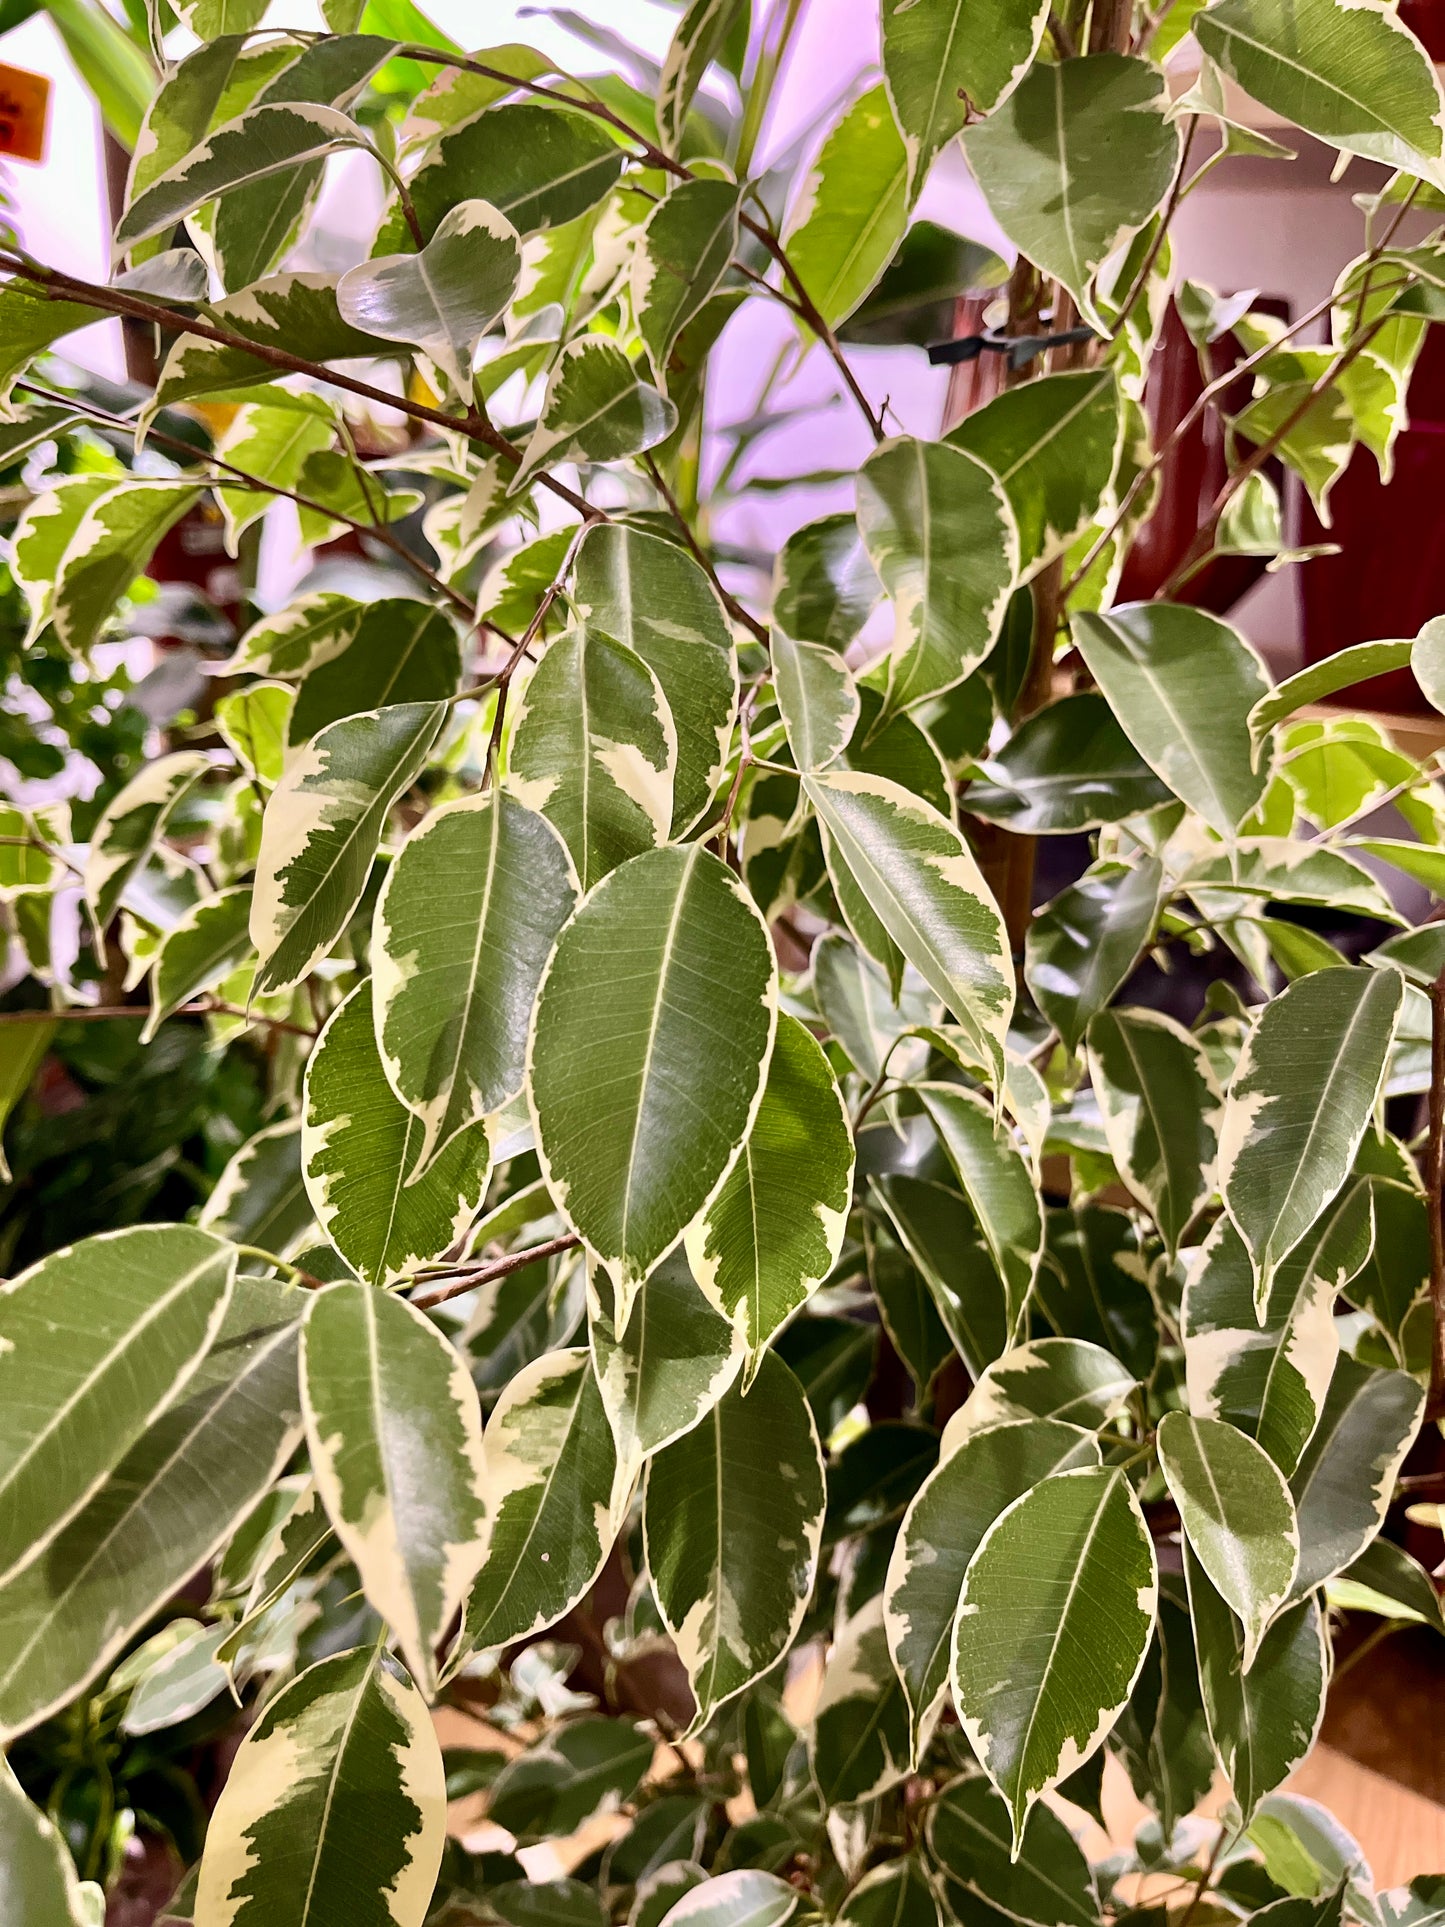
(722,1254)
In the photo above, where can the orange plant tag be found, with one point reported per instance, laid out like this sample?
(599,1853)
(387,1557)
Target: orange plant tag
(24,111)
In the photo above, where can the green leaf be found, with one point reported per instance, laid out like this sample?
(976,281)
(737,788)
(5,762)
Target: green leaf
(186,1678)
(335,1807)
(272,443)
(940,533)
(341,493)
(1354,76)
(538,166)
(1386,1580)
(254,720)
(205,945)
(1069,767)
(1263,1722)
(859,1744)
(1161,1109)
(943,57)
(921,881)
(1053,1624)
(1048,1883)
(1237,1514)
(697,40)
(772,1232)
(906,1299)
(454,998)
(398,651)
(95,1342)
(1163,1737)
(1346,1476)
(112,543)
(1326,678)
(999,1185)
(260,1198)
(595,410)
(852,997)
(940,1533)
(1093,1284)
(1068,1379)
(1183,685)
(42,535)
(1082,947)
(557,1786)
(733,1516)
(30,322)
(594,751)
(894,1892)
(321,829)
(299,637)
(394,1433)
(1293,871)
(361,1148)
(746,1897)
(639,1120)
(164,1511)
(672,1364)
(851,210)
(1074,161)
(1302,1093)
(941,1234)
(271,139)
(824,586)
(131,825)
(445,298)
(817,699)
(1053,443)
(555,1493)
(23,1048)
(37,1875)
(650,595)
(680,258)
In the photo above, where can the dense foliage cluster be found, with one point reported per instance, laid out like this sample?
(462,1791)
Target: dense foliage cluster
(563,1164)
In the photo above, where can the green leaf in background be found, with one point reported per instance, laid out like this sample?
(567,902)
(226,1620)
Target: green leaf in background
(132,823)
(859,1744)
(321,829)
(940,533)
(254,721)
(941,1234)
(1082,946)
(698,40)
(170,1503)
(940,1533)
(1163,1736)
(640,1119)
(208,18)
(361,1148)
(1053,1624)
(112,543)
(95,1341)
(651,596)
(23,1048)
(921,881)
(997,1183)
(1068,767)
(896,1891)
(774,1229)
(817,698)
(272,443)
(394,1433)
(445,298)
(852,998)
(1183,685)
(553,1788)
(1346,1475)
(681,256)
(851,210)
(746,1897)
(42,535)
(1354,76)
(1262,1722)
(454,999)
(733,1515)
(554,1487)
(594,751)
(1237,1514)
(1161,1109)
(1053,444)
(824,585)
(260,1198)
(538,166)
(1093,1284)
(1077,157)
(596,409)
(37,1875)
(1302,1094)
(1386,1580)
(1049,1881)
(1068,1379)
(400,652)
(671,1366)
(342,1774)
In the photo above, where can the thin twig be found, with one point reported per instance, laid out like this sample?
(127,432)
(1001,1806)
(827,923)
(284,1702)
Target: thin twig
(139,1013)
(1175,190)
(502,681)
(1435,1184)
(470,1276)
(674,508)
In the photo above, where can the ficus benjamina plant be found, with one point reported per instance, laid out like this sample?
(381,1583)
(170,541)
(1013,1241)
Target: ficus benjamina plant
(815,1338)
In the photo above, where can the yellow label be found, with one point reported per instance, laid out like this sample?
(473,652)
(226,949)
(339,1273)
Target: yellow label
(24,111)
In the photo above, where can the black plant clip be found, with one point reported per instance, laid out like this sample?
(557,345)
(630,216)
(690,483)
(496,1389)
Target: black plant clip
(1020,349)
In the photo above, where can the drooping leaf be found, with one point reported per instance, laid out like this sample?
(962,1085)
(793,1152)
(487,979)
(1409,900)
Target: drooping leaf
(942,536)
(1053,1624)
(733,1515)
(680,258)
(273,444)
(454,998)
(131,825)
(1082,946)
(394,1433)
(260,1198)
(852,996)
(594,751)
(321,829)
(996,1179)
(1093,1284)
(42,535)
(555,1493)
(638,1121)
(1346,1475)
(361,1147)
(817,698)
(22,1052)
(1326,678)
(596,409)
(38,1883)
(859,1744)
(1303,1091)
(1076,158)
(851,210)
(824,585)
(1385,1579)
(204,946)
(1049,1883)
(1183,685)
(29,322)
(1161,1108)
(1067,768)
(896,1891)
(940,1232)
(1056,1378)
(940,1533)
(773,1231)
(555,1787)
(95,1341)
(1238,1516)
(335,1807)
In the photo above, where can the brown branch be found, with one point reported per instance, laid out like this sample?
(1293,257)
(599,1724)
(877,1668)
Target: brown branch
(1435,1186)
(468,1277)
(730,602)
